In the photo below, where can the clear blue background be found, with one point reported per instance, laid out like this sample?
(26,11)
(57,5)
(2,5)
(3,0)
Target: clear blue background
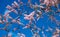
(42,21)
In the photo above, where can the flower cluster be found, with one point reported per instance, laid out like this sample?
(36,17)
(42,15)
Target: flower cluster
(32,16)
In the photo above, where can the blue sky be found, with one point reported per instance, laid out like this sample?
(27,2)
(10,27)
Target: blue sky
(40,23)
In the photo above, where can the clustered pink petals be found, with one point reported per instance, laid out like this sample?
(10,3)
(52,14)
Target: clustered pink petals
(33,17)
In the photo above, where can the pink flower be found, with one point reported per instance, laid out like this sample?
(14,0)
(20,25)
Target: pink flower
(30,16)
